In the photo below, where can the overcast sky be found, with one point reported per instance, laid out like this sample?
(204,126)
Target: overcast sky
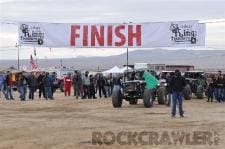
(104,11)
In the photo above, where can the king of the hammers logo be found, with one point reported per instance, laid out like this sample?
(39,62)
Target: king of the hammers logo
(183,34)
(31,34)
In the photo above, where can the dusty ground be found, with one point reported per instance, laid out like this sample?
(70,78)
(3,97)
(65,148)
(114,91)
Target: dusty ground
(67,123)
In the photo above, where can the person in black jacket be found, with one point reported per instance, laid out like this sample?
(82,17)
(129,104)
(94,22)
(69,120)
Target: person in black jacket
(223,88)
(169,77)
(47,81)
(23,82)
(210,89)
(41,85)
(101,86)
(92,87)
(220,86)
(218,83)
(32,83)
(177,85)
(77,82)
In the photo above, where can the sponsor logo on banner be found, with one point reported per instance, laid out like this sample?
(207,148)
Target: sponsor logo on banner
(183,34)
(31,34)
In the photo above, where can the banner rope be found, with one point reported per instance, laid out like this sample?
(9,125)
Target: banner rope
(200,21)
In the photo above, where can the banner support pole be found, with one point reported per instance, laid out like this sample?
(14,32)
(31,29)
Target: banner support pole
(127,58)
(18,56)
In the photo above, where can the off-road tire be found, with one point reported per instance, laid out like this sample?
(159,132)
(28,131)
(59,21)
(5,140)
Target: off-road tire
(147,98)
(200,92)
(161,95)
(116,98)
(187,92)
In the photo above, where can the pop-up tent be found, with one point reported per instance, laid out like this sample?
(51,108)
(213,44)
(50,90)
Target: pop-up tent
(113,70)
(126,68)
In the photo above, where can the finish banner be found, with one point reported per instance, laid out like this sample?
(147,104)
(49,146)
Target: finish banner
(133,35)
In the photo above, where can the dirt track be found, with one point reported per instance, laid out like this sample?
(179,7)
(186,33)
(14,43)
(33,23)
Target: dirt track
(67,123)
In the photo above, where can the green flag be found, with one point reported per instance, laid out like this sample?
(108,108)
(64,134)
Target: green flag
(151,81)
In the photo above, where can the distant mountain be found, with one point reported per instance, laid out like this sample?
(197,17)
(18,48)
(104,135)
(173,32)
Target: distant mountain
(201,59)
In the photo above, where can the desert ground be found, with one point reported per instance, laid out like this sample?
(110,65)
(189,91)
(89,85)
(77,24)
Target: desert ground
(69,123)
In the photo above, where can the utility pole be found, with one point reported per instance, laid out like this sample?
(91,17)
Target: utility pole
(127,58)
(127,52)
(18,56)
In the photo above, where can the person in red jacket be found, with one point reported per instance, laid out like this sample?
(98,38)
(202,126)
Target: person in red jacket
(67,85)
(9,84)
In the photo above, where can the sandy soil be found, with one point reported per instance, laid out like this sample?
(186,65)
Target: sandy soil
(68,123)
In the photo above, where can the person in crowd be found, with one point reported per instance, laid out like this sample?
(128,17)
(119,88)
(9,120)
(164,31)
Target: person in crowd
(41,85)
(177,84)
(163,75)
(32,84)
(222,88)
(77,82)
(210,89)
(219,73)
(2,84)
(86,85)
(54,83)
(218,83)
(47,82)
(92,87)
(9,84)
(111,83)
(22,85)
(100,85)
(169,77)
(107,86)
(80,85)
(67,84)
(216,89)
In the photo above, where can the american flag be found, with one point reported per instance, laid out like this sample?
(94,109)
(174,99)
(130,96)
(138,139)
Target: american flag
(33,63)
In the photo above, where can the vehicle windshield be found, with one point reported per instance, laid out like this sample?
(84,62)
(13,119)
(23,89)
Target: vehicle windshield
(135,75)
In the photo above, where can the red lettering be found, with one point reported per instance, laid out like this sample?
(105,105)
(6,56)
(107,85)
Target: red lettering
(74,35)
(97,35)
(85,35)
(110,35)
(132,35)
(120,35)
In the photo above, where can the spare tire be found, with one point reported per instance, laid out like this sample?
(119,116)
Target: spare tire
(161,95)
(200,92)
(187,92)
(117,98)
(147,98)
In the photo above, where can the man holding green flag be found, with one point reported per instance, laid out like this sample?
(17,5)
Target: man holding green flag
(151,81)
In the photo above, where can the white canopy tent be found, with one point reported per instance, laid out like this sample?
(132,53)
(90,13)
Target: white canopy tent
(126,68)
(113,70)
